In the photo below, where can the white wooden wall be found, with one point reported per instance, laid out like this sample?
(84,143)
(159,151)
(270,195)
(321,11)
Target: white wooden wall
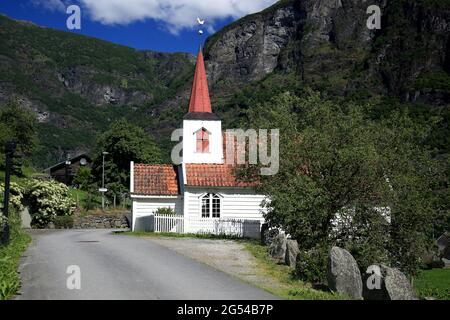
(236,203)
(145,208)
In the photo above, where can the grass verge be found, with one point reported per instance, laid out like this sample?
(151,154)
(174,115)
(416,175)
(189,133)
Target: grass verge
(434,283)
(288,287)
(9,260)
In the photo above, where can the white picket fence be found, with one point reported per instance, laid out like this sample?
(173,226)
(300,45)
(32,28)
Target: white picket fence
(229,227)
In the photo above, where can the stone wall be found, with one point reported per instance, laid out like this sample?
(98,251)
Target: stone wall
(102,222)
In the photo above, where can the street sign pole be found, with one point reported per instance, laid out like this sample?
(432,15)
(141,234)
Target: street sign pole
(9,151)
(103,190)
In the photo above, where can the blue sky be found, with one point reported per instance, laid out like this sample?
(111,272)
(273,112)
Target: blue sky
(160,25)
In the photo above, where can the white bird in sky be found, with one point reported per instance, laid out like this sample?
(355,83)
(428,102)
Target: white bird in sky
(200,21)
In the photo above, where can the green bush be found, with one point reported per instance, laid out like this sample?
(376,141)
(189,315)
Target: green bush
(63,222)
(89,202)
(47,200)
(312,265)
(165,211)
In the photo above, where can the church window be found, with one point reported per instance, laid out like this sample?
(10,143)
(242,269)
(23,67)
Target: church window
(202,140)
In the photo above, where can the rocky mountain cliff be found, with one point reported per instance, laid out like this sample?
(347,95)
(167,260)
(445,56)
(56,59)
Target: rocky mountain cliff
(327,44)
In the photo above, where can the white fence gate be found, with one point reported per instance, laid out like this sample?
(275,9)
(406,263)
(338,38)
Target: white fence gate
(169,223)
(230,227)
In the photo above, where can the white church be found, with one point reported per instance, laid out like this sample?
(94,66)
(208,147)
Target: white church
(203,191)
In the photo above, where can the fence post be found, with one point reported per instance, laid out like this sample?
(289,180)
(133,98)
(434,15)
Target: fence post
(10,147)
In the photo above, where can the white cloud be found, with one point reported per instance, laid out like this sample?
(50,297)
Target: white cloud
(175,15)
(51,5)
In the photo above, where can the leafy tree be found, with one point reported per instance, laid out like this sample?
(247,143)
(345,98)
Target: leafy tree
(124,142)
(17,124)
(343,177)
(83,178)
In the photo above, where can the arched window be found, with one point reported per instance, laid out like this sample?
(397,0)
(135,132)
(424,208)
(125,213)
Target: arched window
(211,205)
(202,140)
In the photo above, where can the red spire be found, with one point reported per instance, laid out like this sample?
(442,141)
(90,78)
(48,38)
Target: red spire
(200,101)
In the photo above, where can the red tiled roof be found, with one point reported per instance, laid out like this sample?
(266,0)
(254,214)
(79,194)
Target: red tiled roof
(155,180)
(213,175)
(200,101)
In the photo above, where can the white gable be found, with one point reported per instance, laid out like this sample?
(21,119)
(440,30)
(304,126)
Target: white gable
(215,153)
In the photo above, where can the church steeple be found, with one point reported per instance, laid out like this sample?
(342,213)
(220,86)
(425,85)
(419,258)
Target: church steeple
(202,129)
(200,101)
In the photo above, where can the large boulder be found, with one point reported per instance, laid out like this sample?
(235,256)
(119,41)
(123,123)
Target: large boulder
(277,248)
(443,243)
(385,283)
(291,253)
(343,273)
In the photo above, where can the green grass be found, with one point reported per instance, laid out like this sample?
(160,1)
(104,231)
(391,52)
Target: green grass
(27,173)
(9,261)
(288,286)
(434,283)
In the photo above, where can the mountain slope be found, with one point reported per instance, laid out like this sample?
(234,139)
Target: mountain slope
(78,85)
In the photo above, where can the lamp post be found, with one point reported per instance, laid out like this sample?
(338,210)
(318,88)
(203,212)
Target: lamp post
(103,190)
(10,147)
(68,163)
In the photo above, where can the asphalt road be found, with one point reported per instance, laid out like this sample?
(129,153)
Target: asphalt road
(121,267)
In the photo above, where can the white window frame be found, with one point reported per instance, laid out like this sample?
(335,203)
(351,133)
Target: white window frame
(211,196)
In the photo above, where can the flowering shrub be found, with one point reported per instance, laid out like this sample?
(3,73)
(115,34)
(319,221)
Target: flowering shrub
(15,196)
(47,200)
(15,199)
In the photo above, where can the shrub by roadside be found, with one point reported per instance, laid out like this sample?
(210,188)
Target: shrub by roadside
(10,257)
(48,200)
(64,222)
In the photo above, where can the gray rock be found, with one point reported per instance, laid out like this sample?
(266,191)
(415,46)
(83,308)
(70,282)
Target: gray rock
(397,285)
(446,262)
(26,219)
(277,248)
(291,253)
(385,283)
(343,273)
(443,243)
(51,225)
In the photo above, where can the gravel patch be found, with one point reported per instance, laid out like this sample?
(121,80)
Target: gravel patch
(228,256)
